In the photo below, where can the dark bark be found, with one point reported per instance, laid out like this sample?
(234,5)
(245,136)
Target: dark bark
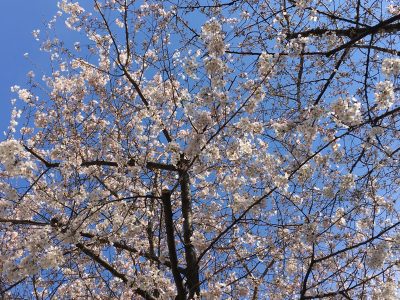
(192,267)
(169,229)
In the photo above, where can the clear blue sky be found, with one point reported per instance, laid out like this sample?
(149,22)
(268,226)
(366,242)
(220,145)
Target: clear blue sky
(17,20)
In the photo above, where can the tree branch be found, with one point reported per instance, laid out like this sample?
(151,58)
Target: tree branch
(97,162)
(372,30)
(190,253)
(122,245)
(169,229)
(160,166)
(23,222)
(111,269)
(351,32)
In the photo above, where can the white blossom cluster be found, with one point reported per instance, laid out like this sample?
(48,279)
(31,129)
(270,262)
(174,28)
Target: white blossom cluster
(191,65)
(214,66)
(384,95)
(195,144)
(281,127)
(296,46)
(70,7)
(305,172)
(339,217)
(347,182)
(265,65)
(12,156)
(74,10)
(213,36)
(256,95)
(15,115)
(274,175)
(377,255)
(239,149)
(52,258)
(199,241)
(394,9)
(391,66)
(386,290)
(347,111)
(23,94)
(302,4)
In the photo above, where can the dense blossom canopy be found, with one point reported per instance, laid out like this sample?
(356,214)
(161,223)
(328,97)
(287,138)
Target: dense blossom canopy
(190,149)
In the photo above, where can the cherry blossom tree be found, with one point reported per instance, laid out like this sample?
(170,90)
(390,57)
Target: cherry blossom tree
(190,149)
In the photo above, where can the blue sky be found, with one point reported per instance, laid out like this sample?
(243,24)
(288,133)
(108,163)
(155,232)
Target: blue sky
(17,20)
